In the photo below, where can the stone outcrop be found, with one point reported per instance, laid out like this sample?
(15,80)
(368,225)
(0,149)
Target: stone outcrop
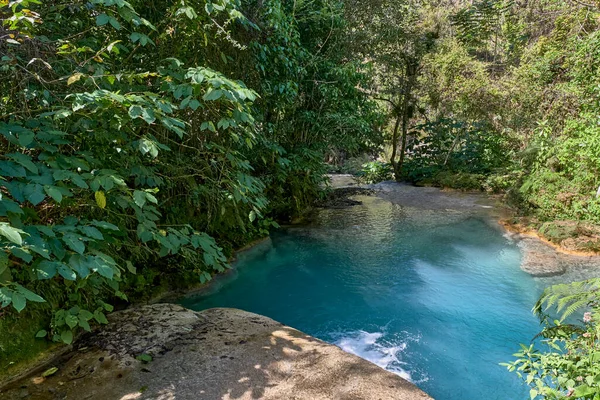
(540,259)
(213,354)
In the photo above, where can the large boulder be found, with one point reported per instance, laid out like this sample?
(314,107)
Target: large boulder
(213,354)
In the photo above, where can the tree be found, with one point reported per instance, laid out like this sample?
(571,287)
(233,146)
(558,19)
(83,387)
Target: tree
(389,35)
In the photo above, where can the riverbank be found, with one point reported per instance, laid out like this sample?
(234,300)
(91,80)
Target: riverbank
(539,258)
(165,351)
(548,249)
(575,238)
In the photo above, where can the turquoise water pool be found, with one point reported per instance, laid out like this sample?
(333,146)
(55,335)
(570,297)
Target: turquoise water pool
(435,296)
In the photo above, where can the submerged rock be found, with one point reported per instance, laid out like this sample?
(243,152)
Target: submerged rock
(540,259)
(165,351)
(340,198)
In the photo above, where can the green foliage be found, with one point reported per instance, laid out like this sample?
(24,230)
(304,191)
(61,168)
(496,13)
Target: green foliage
(526,87)
(454,154)
(375,171)
(478,23)
(134,152)
(351,165)
(568,364)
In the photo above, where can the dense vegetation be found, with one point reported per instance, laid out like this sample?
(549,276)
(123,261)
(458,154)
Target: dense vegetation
(141,142)
(500,95)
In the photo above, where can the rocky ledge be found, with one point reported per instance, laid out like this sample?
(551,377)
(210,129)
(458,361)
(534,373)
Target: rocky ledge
(541,259)
(166,352)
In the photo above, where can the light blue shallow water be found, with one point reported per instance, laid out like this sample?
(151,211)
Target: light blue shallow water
(435,296)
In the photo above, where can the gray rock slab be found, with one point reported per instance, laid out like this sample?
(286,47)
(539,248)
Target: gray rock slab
(213,354)
(540,259)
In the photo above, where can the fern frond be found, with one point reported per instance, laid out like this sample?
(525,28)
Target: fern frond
(567,299)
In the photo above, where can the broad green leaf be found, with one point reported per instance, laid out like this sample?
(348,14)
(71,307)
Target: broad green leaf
(86,315)
(148,115)
(11,233)
(35,194)
(151,198)
(29,295)
(114,23)
(54,192)
(5,296)
(18,301)
(66,337)
(23,253)
(105,225)
(84,324)
(100,317)
(139,198)
(46,270)
(25,161)
(135,111)
(103,268)
(194,104)
(25,138)
(102,19)
(74,242)
(81,265)
(213,94)
(66,272)
(92,232)
(72,321)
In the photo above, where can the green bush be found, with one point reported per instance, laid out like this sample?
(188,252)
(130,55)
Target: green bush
(455,154)
(375,172)
(564,362)
(132,155)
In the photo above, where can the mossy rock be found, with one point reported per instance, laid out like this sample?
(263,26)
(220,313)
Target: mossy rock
(19,348)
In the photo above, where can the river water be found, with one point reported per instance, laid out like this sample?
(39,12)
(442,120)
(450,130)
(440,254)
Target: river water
(434,295)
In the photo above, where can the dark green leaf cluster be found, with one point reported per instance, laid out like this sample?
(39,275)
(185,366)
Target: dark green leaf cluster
(133,147)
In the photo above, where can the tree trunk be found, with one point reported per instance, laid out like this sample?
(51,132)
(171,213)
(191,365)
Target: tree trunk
(395,143)
(411,76)
(398,168)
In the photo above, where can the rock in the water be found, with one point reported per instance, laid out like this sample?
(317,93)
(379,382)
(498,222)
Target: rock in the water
(213,354)
(540,259)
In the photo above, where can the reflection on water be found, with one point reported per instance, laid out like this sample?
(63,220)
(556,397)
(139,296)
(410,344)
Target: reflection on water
(436,296)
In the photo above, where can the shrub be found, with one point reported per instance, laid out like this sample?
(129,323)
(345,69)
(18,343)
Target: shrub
(568,363)
(375,171)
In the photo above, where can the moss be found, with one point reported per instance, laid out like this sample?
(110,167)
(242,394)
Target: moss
(19,348)
(558,231)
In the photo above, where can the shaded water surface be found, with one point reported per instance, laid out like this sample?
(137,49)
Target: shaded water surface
(435,296)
